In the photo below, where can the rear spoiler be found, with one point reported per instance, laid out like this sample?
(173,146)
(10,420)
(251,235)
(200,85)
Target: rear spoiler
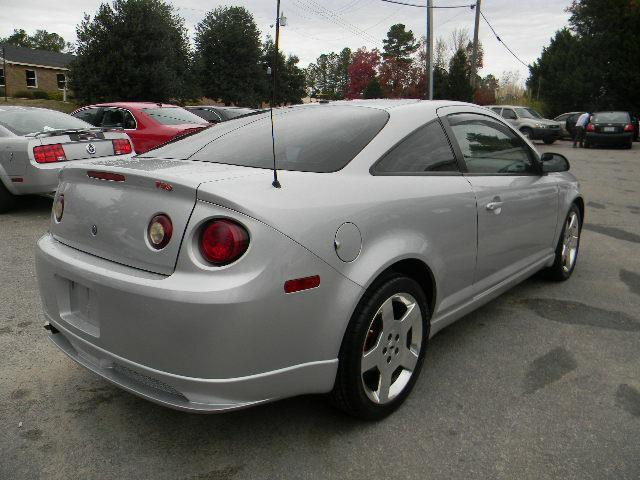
(71,131)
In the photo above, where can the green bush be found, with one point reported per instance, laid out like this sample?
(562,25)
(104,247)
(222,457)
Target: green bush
(55,96)
(24,94)
(40,94)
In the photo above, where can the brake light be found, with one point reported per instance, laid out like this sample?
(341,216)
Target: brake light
(113,177)
(49,153)
(223,241)
(159,231)
(628,128)
(58,208)
(121,146)
(591,127)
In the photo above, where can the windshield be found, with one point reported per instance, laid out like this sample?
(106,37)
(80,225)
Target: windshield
(528,113)
(24,122)
(611,117)
(309,139)
(173,116)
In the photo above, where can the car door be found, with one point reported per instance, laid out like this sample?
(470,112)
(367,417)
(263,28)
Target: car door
(509,114)
(438,202)
(517,206)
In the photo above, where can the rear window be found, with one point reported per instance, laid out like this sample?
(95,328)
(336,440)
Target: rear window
(24,122)
(310,139)
(611,117)
(173,116)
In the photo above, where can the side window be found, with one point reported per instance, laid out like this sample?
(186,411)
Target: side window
(497,110)
(509,114)
(32,78)
(118,118)
(489,146)
(425,150)
(89,115)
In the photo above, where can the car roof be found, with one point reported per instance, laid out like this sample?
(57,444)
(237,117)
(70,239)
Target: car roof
(23,107)
(134,105)
(508,106)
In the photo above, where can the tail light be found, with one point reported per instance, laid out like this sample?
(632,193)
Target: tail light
(121,146)
(629,128)
(159,231)
(591,127)
(49,153)
(58,208)
(223,241)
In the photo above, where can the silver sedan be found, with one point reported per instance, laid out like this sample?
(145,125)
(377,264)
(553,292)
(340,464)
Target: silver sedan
(184,276)
(36,143)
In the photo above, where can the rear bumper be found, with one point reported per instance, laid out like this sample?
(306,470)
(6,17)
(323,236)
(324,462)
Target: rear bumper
(198,342)
(35,180)
(198,395)
(609,138)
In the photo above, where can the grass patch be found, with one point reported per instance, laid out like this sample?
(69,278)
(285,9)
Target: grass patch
(52,104)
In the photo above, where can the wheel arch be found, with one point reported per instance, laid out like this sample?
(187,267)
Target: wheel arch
(579,202)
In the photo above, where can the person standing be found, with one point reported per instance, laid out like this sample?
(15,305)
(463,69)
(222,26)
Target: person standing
(581,126)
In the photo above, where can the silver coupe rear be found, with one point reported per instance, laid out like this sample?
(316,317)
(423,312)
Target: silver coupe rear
(186,278)
(36,143)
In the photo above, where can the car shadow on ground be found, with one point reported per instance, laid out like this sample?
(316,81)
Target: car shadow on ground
(29,204)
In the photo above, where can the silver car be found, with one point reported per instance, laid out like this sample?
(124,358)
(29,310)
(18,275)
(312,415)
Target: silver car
(185,277)
(35,143)
(530,123)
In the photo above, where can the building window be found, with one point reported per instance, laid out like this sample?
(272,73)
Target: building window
(62,80)
(32,79)
(1,77)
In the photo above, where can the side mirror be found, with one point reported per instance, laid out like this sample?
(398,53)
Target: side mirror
(554,162)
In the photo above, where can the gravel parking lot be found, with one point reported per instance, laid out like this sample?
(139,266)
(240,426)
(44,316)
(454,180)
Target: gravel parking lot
(542,383)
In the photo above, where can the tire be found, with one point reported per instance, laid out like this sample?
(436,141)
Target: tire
(396,351)
(561,269)
(527,132)
(549,141)
(7,200)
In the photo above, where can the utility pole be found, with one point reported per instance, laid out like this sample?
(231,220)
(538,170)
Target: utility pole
(474,57)
(4,71)
(430,47)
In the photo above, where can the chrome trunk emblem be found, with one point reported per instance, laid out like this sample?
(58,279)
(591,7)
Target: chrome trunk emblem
(91,149)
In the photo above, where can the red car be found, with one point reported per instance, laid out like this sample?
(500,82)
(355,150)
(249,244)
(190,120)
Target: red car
(147,124)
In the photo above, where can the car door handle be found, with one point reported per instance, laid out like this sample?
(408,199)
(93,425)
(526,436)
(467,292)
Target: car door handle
(493,206)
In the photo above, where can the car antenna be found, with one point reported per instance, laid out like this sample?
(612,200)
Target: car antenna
(274,70)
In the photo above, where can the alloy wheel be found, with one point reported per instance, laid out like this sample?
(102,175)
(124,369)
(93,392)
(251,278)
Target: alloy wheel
(391,348)
(570,241)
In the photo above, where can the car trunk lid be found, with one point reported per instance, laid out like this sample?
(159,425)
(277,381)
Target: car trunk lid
(110,218)
(85,144)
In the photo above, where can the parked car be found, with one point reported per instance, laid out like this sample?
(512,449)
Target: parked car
(35,143)
(204,288)
(148,124)
(530,123)
(215,114)
(610,128)
(567,123)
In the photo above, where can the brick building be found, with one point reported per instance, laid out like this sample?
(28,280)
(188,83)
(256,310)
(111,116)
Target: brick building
(29,69)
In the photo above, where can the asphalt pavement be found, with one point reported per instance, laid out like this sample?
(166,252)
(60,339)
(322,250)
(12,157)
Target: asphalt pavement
(542,383)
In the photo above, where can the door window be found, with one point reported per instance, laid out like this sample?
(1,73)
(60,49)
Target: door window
(509,114)
(425,150)
(489,146)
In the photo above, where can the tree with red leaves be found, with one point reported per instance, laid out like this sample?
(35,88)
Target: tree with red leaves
(363,69)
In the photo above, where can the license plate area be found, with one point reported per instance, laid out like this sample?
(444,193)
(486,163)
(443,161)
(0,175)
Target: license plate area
(609,129)
(77,306)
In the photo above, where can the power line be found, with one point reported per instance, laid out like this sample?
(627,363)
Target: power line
(332,17)
(425,6)
(500,40)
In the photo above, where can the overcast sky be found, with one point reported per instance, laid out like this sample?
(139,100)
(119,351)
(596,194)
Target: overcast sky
(322,26)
